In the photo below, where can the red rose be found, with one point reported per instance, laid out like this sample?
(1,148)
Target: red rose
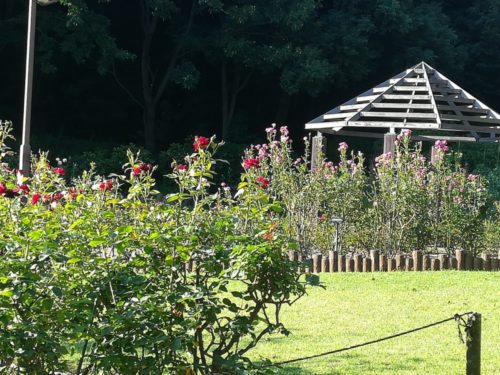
(59,171)
(181,167)
(146,167)
(250,163)
(72,192)
(35,198)
(3,188)
(24,188)
(56,197)
(200,143)
(106,185)
(263,182)
(136,171)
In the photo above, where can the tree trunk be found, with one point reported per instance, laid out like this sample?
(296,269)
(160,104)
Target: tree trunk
(149,119)
(229,95)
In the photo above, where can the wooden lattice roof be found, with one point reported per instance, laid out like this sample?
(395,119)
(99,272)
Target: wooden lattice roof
(418,98)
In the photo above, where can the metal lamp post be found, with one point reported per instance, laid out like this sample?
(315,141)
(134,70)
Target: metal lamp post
(337,221)
(25,150)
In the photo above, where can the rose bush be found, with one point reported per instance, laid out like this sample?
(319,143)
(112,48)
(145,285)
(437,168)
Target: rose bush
(99,275)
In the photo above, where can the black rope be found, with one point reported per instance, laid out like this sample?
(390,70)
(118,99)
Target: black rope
(456,317)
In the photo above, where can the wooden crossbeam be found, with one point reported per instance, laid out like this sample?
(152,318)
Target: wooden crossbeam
(366,98)
(409,80)
(405,97)
(485,120)
(349,107)
(410,88)
(445,98)
(462,128)
(332,116)
(398,114)
(481,111)
(393,124)
(402,105)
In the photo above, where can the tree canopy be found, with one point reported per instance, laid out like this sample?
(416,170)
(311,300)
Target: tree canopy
(153,72)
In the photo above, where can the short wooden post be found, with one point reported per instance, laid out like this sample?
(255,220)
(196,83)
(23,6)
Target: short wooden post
(383,263)
(194,266)
(341,264)
(367,264)
(325,264)
(333,258)
(454,263)
(292,255)
(400,262)
(417,260)
(349,263)
(486,262)
(474,345)
(358,263)
(443,261)
(318,148)
(308,265)
(478,264)
(391,264)
(494,264)
(460,255)
(301,259)
(375,260)
(316,263)
(409,264)
(426,263)
(435,264)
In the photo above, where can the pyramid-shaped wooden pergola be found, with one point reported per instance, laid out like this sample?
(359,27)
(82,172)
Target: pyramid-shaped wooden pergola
(418,98)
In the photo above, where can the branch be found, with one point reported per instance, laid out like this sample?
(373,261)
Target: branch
(124,88)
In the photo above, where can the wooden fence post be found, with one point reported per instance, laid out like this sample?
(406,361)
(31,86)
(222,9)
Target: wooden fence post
(494,264)
(333,257)
(460,255)
(417,260)
(487,262)
(349,263)
(325,264)
(409,264)
(474,345)
(391,264)
(358,260)
(316,263)
(435,264)
(341,264)
(400,262)
(382,263)
(426,263)
(443,261)
(375,260)
(300,259)
(454,263)
(367,264)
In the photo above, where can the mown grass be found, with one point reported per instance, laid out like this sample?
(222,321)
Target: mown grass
(358,307)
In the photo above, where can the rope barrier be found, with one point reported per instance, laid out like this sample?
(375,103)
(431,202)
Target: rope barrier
(457,317)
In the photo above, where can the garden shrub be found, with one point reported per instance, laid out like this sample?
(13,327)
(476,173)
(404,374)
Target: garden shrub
(94,274)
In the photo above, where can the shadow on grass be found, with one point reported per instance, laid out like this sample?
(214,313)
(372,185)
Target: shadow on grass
(357,364)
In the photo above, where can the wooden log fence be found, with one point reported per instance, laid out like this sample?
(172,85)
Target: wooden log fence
(376,262)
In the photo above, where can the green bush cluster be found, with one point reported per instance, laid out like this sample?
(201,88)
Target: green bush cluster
(100,276)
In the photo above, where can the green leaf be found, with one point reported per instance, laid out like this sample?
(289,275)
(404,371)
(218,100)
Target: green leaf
(6,293)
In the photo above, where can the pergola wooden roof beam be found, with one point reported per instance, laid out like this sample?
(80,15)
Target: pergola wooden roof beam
(420,98)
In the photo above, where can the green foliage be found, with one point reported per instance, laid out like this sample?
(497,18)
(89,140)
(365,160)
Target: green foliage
(92,280)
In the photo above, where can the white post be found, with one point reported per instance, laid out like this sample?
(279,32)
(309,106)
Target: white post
(25,150)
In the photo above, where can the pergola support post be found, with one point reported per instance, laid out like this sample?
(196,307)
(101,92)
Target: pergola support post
(318,149)
(389,142)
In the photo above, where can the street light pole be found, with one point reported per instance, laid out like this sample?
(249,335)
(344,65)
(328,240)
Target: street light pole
(25,150)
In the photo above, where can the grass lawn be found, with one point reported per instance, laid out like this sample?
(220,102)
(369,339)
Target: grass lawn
(358,307)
